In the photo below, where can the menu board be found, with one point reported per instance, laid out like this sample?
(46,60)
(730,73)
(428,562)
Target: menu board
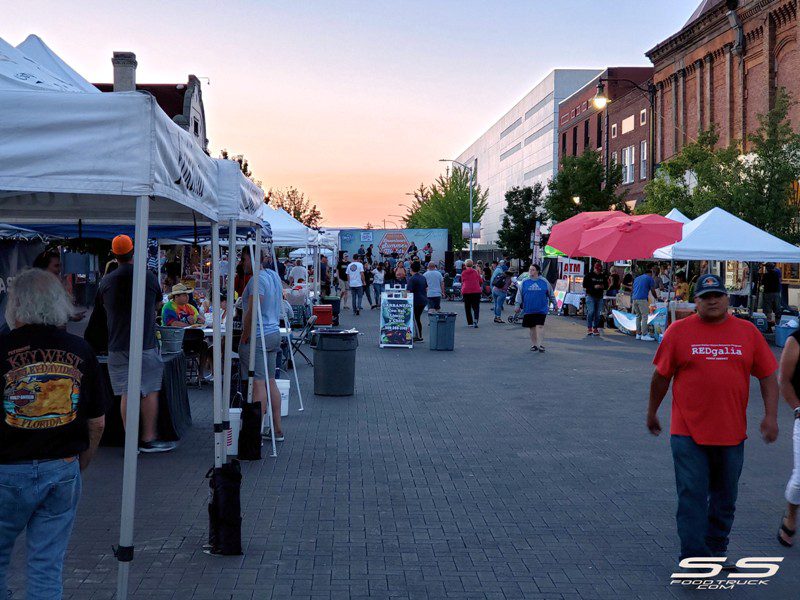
(397,320)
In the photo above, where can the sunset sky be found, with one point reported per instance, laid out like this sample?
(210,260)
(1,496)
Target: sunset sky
(352,102)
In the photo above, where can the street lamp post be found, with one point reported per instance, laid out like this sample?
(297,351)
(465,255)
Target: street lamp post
(471,171)
(600,102)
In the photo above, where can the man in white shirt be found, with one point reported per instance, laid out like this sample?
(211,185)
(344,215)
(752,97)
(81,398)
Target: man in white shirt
(435,287)
(459,265)
(297,273)
(355,277)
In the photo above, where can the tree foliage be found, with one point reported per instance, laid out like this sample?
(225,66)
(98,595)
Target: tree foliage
(445,204)
(758,187)
(524,206)
(296,204)
(584,177)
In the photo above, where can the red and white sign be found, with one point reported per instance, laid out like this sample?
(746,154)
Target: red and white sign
(393,242)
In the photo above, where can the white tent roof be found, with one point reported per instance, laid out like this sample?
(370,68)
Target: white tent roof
(678,216)
(37,51)
(286,230)
(20,72)
(719,235)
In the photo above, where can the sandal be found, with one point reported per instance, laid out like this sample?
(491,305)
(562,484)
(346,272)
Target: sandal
(534,348)
(787,531)
(541,348)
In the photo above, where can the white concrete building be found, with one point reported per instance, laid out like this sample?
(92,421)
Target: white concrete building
(522,147)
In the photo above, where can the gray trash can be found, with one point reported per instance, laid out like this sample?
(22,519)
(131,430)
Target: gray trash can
(335,361)
(442,331)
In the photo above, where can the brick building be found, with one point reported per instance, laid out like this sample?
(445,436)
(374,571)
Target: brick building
(724,67)
(582,126)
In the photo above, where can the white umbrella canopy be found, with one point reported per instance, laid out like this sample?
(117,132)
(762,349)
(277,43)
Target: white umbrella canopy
(719,235)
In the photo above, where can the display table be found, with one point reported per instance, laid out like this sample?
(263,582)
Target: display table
(174,413)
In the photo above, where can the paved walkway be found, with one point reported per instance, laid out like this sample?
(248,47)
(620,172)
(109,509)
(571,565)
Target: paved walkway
(488,472)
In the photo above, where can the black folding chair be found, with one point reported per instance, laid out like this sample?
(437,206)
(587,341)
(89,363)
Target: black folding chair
(303,337)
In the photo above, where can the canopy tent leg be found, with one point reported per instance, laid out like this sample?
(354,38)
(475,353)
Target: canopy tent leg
(125,551)
(226,386)
(252,358)
(255,259)
(219,434)
(671,309)
(289,338)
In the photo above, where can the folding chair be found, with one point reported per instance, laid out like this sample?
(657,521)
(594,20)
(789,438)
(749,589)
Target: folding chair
(303,337)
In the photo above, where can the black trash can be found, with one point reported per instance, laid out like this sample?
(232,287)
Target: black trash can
(442,334)
(335,362)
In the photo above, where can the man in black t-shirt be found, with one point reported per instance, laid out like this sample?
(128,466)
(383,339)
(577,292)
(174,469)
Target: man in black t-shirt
(115,293)
(52,419)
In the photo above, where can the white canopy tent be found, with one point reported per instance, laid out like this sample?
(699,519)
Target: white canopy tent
(719,235)
(286,230)
(37,51)
(116,159)
(678,216)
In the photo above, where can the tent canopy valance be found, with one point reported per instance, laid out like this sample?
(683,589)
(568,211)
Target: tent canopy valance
(719,235)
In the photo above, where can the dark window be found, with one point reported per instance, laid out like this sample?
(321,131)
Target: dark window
(586,134)
(575,141)
(599,129)
(196,124)
(564,144)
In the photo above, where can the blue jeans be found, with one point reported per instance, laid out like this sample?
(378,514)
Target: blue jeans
(594,309)
(707,478)
(499,297)
(41,498)
(378,288)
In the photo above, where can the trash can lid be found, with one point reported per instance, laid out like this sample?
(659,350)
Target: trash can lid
(334,331)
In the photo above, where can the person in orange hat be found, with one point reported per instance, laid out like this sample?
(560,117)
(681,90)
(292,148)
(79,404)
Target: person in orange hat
(115,293)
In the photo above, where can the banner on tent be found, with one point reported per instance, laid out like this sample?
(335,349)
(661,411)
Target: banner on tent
(14,256)
(387,241)
(397,324)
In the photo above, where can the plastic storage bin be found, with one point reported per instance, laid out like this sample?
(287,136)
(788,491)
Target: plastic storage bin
(782,333)
(324,313)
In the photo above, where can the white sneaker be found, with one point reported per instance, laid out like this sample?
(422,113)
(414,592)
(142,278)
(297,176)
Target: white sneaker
(638,336)
(647,338)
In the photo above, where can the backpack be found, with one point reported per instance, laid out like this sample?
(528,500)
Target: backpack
(499,281)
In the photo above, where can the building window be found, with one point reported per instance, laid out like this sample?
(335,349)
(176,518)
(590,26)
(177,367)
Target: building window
(575,141)
(613,158)
(643,117)
(643,159)
(196,126)
(614,130)
(628,164)
(564,144)
(586,134)
(599,130)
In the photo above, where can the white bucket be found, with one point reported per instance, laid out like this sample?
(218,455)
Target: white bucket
(232,442)
(284,385)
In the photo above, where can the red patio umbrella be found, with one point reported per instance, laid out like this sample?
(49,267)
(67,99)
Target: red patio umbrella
(629,237)
(566,236)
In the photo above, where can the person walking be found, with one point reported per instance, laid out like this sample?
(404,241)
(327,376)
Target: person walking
(115,294)
(378,278)
(368,278)
(356,281)
(771,304)
(595,284)
(534,297)
(435,291)
(644,286)
(53,416)
(500,284)
(418,286)
(789,380)
(471,282)
(341,270)
(710,357)
(268,290)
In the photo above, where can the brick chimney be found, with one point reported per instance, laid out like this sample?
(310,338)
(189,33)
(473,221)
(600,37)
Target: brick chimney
(124,71)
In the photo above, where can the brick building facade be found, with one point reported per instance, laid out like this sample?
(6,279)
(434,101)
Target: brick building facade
(724,67)
(582,126)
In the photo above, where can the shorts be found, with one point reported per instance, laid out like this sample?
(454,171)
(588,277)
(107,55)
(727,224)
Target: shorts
(533,320)
(434,303)
(272,343)
(152,372)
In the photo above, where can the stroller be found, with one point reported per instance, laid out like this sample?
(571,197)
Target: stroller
(453,291)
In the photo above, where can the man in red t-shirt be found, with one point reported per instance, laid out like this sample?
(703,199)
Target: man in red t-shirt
(710,357)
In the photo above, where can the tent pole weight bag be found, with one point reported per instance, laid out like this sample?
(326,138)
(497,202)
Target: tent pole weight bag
(225,510)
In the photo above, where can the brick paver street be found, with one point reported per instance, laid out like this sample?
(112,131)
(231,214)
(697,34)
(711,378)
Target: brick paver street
(488,472)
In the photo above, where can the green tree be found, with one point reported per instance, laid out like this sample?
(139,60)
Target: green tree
(296,204)
(700,177)
(445,204)
(584,177)
(524,206)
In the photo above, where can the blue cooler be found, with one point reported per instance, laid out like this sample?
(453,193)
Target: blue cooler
(782,333)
